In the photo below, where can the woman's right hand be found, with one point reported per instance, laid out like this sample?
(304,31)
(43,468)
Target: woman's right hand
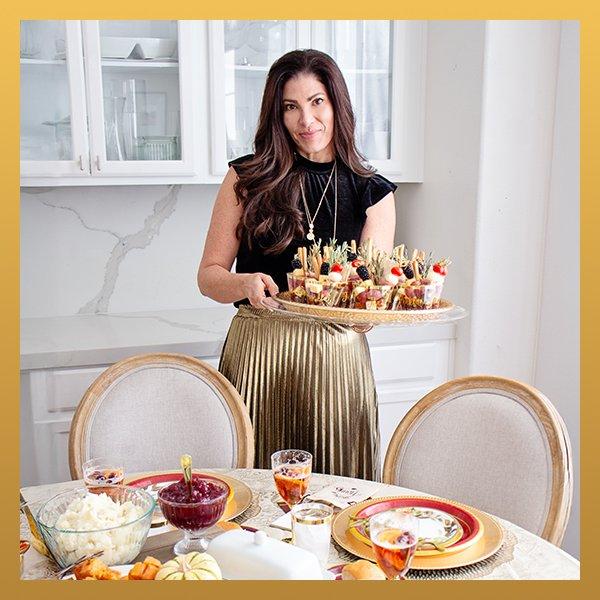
(253,286)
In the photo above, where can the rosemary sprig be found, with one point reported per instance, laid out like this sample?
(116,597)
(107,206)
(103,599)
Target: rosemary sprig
(314,250)
(339,254)
(378,265)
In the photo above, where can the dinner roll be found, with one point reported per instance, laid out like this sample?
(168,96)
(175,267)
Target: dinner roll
(227,525)
(362,569)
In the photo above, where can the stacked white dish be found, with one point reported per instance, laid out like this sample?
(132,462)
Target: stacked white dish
(137,48)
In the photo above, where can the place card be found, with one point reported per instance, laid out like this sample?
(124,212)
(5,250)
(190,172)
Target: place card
(344,495)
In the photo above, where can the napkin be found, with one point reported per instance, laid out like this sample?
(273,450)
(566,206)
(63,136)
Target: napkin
(344,495)
(283,522)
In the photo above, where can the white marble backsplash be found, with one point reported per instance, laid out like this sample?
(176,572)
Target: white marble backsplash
(112,249)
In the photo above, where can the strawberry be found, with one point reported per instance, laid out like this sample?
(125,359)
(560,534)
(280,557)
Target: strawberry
(336,268)
(437,268)
(397,271)
(356,263)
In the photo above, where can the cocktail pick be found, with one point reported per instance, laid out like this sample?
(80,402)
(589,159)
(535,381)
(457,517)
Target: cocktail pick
(186,466)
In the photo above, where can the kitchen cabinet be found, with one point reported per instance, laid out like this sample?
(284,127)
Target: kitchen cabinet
(53,115)
(403,374)
(106,99)
(49,398)
(167,102)
(383,63)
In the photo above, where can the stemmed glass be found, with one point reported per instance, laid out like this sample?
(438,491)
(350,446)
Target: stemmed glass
(394,535)
(291,470)
(98,472)
(193,514)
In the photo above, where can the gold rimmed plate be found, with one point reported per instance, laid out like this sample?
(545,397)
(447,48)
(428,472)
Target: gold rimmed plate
(438,529)
(478,542)
(239,499)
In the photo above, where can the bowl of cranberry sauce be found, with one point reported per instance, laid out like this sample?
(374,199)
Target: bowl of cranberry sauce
(198,510)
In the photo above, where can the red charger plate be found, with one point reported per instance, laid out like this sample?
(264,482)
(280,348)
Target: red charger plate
(471,525)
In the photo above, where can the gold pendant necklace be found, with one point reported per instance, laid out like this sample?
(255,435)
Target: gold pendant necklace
(310,236)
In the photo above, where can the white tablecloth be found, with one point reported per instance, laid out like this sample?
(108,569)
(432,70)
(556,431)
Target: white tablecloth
(523,556)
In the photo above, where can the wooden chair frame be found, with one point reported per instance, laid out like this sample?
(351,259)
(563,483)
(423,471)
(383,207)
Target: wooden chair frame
(551,422)
(94,394)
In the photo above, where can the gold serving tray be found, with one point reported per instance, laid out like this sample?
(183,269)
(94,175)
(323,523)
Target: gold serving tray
(488,544)
(359,316)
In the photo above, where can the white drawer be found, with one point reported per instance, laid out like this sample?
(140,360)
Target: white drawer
(59,390)
(393,404)
(390,416)
(51,451)
(48,402)
(420,363)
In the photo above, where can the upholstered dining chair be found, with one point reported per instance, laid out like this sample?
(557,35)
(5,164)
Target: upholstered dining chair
(494,443)
(144,412)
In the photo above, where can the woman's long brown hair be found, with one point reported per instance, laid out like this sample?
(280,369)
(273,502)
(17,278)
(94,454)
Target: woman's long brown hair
(267,189)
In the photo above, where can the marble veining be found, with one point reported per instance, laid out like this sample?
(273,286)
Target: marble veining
(177,325)
(139,240)
(80,218)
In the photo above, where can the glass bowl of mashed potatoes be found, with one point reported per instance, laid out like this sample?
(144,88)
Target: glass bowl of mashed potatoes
(112,519)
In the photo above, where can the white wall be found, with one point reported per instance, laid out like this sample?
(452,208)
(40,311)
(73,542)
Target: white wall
(557,365)
(500,196)
(112,249)
(520,73)
(440,214)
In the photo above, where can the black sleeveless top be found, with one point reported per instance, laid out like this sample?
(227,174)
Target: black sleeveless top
(355,195)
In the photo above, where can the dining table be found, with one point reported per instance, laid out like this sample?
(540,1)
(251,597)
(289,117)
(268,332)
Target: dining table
(522,555)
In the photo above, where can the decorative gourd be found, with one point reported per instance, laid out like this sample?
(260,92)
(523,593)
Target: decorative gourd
(195,565)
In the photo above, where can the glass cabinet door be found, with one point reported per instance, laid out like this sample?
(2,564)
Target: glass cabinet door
(383,63)
(52,104)
(251,47)
(242,52)
(135,90)
(363,50)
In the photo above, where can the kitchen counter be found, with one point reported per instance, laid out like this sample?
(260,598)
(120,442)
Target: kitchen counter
(62,356)
(78,340)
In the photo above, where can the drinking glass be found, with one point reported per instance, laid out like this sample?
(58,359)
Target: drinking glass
(311,529)
(394,535)
(291,470)
(100,471)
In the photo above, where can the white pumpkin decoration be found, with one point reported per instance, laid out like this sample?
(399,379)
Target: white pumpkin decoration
(195,565)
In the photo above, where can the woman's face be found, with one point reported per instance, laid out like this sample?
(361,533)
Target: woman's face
(308,116)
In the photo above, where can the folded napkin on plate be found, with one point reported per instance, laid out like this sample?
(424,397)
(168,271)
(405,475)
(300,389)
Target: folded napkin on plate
(337,495)
(344,495)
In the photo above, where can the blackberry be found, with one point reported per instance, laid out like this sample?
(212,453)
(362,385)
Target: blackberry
(363,272)
(325,268)
(407,269)
(296,263)
(352,256)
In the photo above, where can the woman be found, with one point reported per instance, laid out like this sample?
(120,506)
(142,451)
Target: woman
(307,384)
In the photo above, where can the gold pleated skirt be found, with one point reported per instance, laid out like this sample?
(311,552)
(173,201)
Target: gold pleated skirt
(307,385)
